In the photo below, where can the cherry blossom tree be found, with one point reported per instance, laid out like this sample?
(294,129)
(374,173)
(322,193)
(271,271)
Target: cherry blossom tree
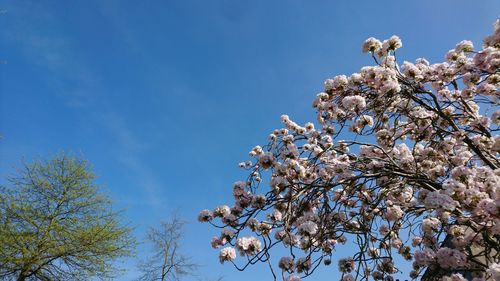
(403,164)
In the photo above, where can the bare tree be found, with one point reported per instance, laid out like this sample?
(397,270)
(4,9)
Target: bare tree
(166,261)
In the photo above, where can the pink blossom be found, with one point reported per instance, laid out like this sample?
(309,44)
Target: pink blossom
(348,277)
(430,225)
(222,211)
(495,117)
(347,265)
(437,200)
(416,241)
(454,277)
(337,83)
(425,257)
(286,264)
(205,216)
(354,102)
(227,254)
(451,258)
(494,271)
(371,45)
(464,46)
(248,245)
(393,213)
(217,242)
(308,228)
(293,278)
(303,264)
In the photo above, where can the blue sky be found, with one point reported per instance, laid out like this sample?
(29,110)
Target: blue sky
(165,98)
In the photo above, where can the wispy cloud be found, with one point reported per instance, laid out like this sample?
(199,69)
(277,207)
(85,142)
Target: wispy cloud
(36,32)
(128,151)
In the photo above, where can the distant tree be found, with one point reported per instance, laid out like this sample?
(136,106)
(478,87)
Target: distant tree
(166,261)
(403,164)
(55,225)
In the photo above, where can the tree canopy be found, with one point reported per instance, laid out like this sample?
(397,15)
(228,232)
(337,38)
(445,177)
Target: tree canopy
(403,161)
(56,225)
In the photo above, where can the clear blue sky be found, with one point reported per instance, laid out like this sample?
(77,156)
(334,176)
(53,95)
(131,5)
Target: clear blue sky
(164,98)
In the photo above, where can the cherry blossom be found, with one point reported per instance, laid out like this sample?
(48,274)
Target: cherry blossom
(227,254)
